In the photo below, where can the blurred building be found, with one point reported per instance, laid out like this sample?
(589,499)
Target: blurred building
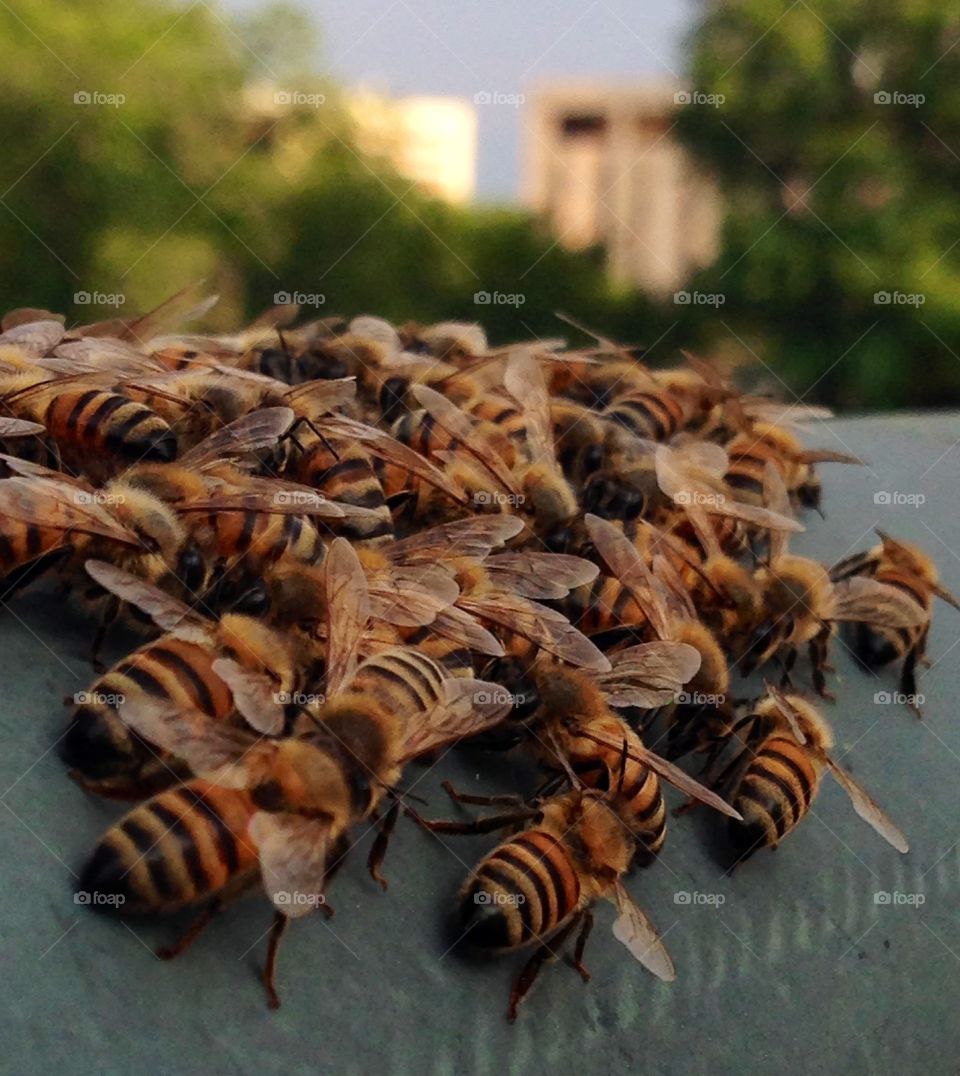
(432,140)
(603,166)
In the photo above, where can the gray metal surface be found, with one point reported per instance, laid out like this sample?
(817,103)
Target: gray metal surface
(798,970)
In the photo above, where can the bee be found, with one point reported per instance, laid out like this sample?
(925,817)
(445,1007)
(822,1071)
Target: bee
(52,520)
(907,568)
(567,853)
(285,805)
(801,603)
(576,729)
(781,752)
(233,668)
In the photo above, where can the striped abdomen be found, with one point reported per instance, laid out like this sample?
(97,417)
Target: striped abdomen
(507,418)
(350,479)
(601,605)
(879,644)
(103,422)
(774,794)
(182,846)
(401,680)
(21,543)
(451,655)
(748,458)
(261,536)
(639,801)
(522,892)
(104,750)
(655,416)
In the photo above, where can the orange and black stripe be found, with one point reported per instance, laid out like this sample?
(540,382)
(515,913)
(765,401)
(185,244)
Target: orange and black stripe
(261,537)
(654,416)
(97,420)
(350,478)
(879,644)
(182,846)
(774,794)
(523,891)
(601,605)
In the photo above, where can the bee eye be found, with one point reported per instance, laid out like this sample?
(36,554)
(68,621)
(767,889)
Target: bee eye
(392,397)
(191,568)
(268,795)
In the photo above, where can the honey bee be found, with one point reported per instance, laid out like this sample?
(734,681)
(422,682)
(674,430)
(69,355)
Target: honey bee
(567,853)
(236,666)
(781,753)
(907,568)
(801,603)
(283,805)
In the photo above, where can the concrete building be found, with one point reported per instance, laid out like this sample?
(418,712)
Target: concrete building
(602,165)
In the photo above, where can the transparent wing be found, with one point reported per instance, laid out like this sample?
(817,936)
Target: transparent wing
(252,433)
(293,855)
(468,708)
(633,929)
(473,538)
(348,610)
(649,675)
(168,613)
(544,576)
(860,598)
(254,696)
(867,808)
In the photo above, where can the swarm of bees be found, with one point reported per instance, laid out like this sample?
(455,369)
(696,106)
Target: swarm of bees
(352,545)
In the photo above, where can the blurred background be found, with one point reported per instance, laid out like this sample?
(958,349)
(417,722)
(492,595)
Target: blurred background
(771,183)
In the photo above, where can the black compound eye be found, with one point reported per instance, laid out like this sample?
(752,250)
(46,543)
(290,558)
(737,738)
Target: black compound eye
(559,541)
(392,397)
(592,458)
(191,568)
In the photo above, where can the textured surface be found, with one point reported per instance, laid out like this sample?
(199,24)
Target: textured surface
(799,970)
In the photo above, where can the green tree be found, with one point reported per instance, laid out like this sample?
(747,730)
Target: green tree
(836,140)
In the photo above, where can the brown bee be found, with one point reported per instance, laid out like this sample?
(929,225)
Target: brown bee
(781,751)
(907,568)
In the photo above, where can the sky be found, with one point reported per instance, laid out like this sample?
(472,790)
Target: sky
(463,47)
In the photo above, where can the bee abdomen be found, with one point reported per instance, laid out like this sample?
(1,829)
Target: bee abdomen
(100,419)
(773,796)
(522,891)
(179,847)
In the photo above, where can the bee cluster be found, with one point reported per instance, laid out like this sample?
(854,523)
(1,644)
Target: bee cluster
(354,545)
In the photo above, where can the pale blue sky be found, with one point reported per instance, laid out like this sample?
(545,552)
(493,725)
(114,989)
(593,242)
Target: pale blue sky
(464,46)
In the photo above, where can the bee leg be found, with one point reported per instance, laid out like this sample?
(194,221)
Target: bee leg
(908,679)
(168,952)
(546,951)
(482,801)
(110,613)
(379,849)
(270,968)
(581,945)
(788,664)
(818,659)
(477,826)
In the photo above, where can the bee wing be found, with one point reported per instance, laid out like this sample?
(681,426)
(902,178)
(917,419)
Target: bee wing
(626,564)
(860,598)
(378,330)
(787,710)
(411,596)
(779,414)
(461,627)
(856,564)
(19,427)
(633,928)
(541,575)
(56,504)
(206,745)
(381,444)
(468,708)
(316,398)
(254,695)
(348,610)
(524,380)
(461,426)
(167,612)
(272,497)
(35,337)
(678,596)
(704,456)
(178,310)
(251,433)
(114,356)
(28,315)
(650,674)
(704,530)
(867,808)
(777,500)
(550,630)
(824,455)
(293,853)
(473,538)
